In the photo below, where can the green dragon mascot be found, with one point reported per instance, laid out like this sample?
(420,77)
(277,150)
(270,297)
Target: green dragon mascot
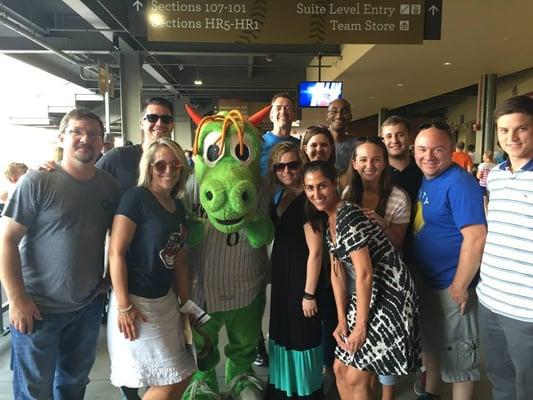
(229,265)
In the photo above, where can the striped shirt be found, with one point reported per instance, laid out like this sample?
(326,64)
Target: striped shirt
(398,209)
(506,285)
(227,273)
(484,168)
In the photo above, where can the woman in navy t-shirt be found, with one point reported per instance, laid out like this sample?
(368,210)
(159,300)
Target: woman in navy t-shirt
(148,268)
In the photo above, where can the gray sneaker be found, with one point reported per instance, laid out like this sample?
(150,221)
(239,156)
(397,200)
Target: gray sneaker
(328,378)
(246,387)
(419,387)
(428,396)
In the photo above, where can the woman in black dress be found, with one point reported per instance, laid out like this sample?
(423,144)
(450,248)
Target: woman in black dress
(378,329)
(318,145)
(295,327)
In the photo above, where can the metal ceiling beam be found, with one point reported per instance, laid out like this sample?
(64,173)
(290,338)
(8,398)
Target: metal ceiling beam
(289,54)
(88,15)
(31,36)
(158,77)
(22,21)
(264,66)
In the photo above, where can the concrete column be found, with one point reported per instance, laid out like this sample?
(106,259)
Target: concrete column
(382,116)
(183,133)
(130,92)
(489,102)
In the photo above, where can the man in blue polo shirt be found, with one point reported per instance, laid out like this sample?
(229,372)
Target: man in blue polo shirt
(449,233)
(506,287)
(282,114)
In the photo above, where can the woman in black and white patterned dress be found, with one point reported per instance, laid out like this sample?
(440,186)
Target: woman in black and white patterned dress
(378,330)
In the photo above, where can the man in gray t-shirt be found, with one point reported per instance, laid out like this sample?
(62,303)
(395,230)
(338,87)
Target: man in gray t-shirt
(54,279)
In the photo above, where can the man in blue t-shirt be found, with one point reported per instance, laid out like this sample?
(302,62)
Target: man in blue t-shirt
(449,232)
(281,114)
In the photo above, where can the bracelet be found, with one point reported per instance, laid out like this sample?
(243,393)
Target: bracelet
(123,310)
(309,296)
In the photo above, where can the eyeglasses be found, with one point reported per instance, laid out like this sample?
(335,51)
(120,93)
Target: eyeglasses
(162,165)
(153,118)
(78,133)
(292,165)
(435,124)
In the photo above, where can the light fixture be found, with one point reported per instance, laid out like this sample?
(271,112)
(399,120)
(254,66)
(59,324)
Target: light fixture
(447,63)
(156,20)
(399,84)
(268,58)
(198,81)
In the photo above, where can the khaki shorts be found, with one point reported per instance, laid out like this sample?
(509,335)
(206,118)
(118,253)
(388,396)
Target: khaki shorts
(451,337)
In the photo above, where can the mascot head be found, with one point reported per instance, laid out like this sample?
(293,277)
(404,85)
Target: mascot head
(226,152)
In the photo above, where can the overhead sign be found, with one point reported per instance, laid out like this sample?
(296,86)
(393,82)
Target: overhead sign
(433,20)
(285,21)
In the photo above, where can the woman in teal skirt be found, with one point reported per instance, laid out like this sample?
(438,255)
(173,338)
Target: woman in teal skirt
(295,324)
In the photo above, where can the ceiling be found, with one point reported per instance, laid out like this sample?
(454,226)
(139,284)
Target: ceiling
(69,38)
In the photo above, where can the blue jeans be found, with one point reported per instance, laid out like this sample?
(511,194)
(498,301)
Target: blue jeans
(55,360)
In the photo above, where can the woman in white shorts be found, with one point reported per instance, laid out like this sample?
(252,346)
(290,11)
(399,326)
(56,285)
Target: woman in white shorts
(148,268)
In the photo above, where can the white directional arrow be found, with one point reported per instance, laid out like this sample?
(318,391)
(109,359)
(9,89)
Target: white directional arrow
(433,9)
(137,4)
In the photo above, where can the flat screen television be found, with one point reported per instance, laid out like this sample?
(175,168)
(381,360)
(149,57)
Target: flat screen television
(318,94)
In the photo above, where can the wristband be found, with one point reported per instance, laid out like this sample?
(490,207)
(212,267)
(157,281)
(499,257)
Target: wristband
(123,310)
(309,296)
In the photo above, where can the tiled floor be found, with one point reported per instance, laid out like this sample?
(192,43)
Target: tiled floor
(100,388)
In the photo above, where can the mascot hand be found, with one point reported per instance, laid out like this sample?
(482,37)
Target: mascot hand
(195,229)
(260,231)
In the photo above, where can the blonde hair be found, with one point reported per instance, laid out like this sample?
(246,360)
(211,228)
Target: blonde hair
(13,169)
(275,157)
(490,155)
(145,176)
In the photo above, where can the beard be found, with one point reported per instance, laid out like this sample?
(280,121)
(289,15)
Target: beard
(85,157)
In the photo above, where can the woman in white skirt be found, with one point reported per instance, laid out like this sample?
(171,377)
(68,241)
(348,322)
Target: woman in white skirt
(148,268)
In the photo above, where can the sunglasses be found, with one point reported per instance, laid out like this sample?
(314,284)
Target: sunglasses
(153,118)
(436,124)
(293,165)
(161,165)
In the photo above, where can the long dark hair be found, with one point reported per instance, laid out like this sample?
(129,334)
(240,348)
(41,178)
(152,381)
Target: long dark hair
(314,130)
(356,189)
(318,218)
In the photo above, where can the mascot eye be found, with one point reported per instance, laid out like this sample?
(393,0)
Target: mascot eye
(247,156)
(212,152)
(245,152)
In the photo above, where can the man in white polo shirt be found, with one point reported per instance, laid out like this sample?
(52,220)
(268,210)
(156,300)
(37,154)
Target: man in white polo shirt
(505,291)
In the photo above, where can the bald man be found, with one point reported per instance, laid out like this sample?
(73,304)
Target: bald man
(449,234)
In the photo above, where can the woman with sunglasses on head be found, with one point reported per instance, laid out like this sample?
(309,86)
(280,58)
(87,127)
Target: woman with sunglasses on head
(318,145)
(148,269)
(371,188)
(295,326)
(378,327)
(385,205)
